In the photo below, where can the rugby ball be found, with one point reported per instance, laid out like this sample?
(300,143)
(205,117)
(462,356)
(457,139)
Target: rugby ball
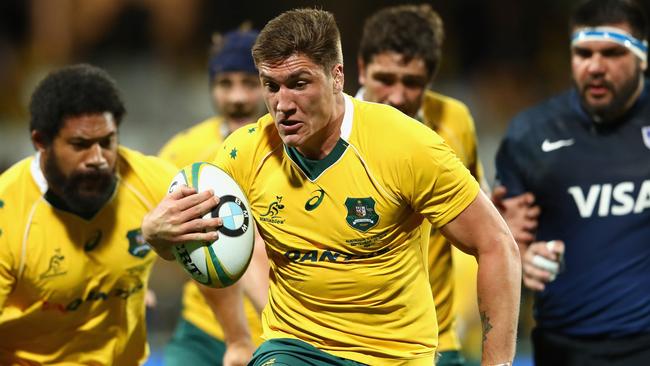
(222,262)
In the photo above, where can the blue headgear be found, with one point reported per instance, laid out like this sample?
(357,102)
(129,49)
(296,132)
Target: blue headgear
(612,34)
(235,55)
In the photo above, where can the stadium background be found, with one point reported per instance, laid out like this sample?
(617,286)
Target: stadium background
(498,57)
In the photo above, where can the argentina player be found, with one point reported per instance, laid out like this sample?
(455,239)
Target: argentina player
(584,156)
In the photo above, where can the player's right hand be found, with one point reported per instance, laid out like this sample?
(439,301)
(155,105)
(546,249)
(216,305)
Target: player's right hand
(519,212)
(179,218)
(542,263)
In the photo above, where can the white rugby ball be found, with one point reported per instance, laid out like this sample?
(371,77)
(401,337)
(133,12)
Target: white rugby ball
(222,262)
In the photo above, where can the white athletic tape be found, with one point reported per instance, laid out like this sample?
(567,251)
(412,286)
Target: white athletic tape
(612,34)
(546,264)
(550,245)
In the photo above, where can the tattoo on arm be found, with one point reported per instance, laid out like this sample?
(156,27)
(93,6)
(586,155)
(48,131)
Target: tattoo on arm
(485,321)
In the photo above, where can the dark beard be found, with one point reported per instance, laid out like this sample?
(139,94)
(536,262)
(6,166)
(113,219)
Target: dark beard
(620,99)
(82,193)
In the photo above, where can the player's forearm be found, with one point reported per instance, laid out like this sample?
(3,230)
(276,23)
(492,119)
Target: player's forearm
(499,291)
(228,307)
(256,279)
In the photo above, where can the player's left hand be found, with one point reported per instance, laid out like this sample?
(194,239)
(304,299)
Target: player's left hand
(238,353)
(179,218)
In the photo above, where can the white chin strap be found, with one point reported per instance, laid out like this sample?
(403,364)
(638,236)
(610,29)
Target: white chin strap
(612,34)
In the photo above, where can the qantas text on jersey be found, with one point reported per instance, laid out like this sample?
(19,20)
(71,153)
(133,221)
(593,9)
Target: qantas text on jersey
(611,199)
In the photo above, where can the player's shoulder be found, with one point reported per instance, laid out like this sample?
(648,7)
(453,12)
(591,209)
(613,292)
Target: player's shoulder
(135,163)
(192,136)
(433,100)
(16,172)
(208,126)
(18,191)
(541,115)
(18,176)
(254,138)
(383,133)
(382,121)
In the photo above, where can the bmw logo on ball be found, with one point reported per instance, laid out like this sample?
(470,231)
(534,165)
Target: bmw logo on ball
(234,214)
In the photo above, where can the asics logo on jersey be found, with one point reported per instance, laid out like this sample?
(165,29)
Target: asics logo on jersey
(315,200)
(548,146)
(93,241)
(611,199)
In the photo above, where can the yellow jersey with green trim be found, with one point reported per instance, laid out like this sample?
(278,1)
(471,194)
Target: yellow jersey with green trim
(72,289)
(201,143)
(197,143)
(452,120)
(343,234)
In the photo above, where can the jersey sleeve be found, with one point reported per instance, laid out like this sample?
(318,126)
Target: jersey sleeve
(164,173)
(149,175)
(435,181)
(470,141)
(237,155)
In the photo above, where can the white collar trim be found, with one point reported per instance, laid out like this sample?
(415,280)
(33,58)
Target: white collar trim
(348,114)
(37,173)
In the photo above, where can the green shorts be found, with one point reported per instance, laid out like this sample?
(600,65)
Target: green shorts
(292,352)
(192,346)
(450,358)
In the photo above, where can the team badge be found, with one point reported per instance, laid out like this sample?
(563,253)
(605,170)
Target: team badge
(645,131)
(361,213)
(137,246)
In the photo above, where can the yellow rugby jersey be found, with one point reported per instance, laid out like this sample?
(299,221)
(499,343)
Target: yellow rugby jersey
(71,289)
(343,234)
(452,120)
(201,143)
(197,143)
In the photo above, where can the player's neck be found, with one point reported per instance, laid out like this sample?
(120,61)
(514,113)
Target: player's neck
(324,142)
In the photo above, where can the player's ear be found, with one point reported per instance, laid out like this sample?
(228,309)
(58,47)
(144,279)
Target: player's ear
(39,141)
(361,67)
(337,77)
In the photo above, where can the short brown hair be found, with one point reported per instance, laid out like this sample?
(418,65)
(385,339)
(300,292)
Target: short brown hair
(410,30)
(311,32)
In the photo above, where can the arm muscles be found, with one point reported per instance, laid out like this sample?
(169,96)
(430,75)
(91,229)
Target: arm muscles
(480,230)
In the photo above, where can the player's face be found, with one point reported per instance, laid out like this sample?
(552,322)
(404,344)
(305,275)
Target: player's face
(607,75)
(237,96)
(79,164)
(300,95)
(388,79)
